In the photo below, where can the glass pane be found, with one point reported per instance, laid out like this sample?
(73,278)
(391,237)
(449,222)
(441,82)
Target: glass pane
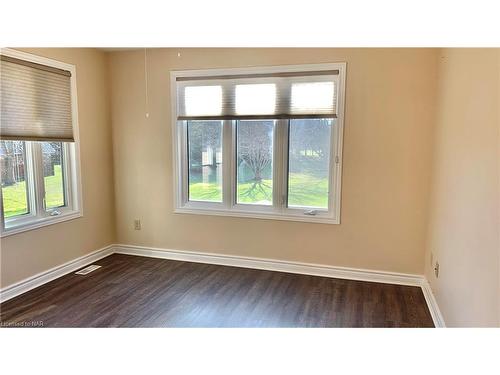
(309,160)
(255,162)
(53,174)
(14,186)
(205,160)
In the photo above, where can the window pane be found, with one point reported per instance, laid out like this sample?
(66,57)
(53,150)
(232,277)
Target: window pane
(255,162)
(309,159)
(53,174)
(14,186)
(205,160)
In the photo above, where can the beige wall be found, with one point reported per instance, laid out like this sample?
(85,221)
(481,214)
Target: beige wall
(464,222)
(23,255)
(388,123)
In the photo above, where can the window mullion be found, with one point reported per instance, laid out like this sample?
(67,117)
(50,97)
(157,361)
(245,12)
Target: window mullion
(2,219)
(30,178)
(280,165)
(38,182)
(227,164)
(284,166)
(183,162)
(67,176)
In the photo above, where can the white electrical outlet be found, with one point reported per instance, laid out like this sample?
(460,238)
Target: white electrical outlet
(137,224)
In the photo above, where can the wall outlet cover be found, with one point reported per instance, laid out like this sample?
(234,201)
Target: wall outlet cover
(137,224)
(436,269)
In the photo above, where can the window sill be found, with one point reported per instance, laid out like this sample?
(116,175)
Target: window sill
(258,215)
(40,223)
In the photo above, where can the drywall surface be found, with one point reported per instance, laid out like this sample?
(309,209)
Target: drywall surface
(388,125)
(464,222)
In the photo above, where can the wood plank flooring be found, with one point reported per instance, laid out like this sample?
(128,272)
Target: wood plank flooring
(132,291)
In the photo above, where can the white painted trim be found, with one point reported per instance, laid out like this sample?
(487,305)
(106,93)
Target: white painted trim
(40,223)
(37,59)
(432,304)
(347,273)
(254,214)
(257,69)
(273,265)
(41,278)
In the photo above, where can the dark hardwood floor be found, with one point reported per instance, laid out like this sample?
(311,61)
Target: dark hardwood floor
(131,291)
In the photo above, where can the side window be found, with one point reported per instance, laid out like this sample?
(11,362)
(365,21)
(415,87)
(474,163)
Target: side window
(38,151)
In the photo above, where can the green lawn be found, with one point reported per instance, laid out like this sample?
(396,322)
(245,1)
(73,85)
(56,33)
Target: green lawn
(305,190)
(15,200)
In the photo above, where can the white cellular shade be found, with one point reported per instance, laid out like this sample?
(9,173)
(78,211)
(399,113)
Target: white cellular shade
(35,102)
(256,99)
(203,100)
(312,97)
(264,96)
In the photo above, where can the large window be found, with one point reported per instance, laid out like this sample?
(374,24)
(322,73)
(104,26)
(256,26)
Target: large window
(38,155)
(263,143)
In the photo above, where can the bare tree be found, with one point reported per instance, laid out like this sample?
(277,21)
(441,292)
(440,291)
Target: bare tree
(255,146)
(205,134)
(11,158)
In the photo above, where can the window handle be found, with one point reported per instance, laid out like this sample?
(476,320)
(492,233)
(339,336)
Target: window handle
(310,212)
(55,213)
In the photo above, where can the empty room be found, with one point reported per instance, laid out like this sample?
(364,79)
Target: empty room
(283,186)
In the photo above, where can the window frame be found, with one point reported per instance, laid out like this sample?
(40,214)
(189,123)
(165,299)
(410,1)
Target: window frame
(229,206)
(38,215)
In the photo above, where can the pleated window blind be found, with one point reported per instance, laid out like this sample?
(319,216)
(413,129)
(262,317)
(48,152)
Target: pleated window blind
(285,95)
(35,102)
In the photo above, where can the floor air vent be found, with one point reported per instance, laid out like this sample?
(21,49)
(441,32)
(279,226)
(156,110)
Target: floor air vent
(88,269)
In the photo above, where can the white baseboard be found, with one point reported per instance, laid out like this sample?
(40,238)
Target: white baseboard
(432,304)
(235,261)
(273,265)
(41,278)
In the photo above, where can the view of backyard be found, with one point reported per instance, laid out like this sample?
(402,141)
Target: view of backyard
(15,201)
(13,178)
(308,191)
(309,152)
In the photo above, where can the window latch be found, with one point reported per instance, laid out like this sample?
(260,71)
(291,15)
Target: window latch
(55,213)
(310,212)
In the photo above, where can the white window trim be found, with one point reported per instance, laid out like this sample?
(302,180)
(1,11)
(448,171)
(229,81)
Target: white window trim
(73,190)
(228,207)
